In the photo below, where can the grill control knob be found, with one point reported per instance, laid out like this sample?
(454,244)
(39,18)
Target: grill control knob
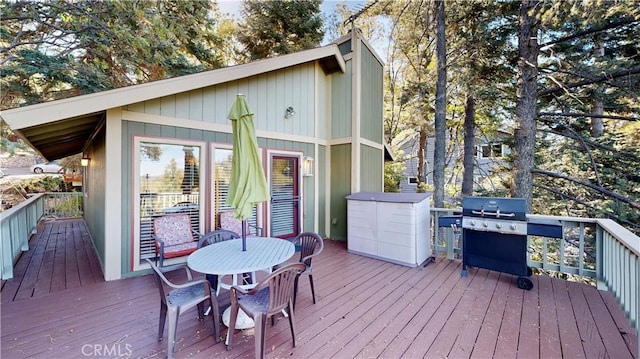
(473,223)
(513,227)
(498,225)
(485,224)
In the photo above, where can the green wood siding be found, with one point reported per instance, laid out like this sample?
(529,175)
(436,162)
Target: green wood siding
(341,103)
(268,95)
(371,97)
(321,158)
(371,169)
(324,110)
(345,47)
(95,194)
(340,188)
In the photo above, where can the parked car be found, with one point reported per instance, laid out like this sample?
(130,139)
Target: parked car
(182,207)
(51,167)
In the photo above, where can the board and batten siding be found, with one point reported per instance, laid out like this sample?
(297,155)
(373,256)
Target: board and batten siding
(371,170)
(340,188)
(94,195)
(321,175)
(371,99)
(268,95)
(341,104)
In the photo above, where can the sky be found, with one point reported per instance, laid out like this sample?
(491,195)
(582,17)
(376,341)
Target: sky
(233,6)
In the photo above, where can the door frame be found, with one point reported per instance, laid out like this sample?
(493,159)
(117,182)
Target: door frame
(270,154)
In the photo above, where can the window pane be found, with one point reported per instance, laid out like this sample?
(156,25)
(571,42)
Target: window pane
(486,151)
(169,183)
(497,150)
(221,176)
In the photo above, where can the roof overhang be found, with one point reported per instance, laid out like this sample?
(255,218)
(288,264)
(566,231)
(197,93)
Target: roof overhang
(62,128)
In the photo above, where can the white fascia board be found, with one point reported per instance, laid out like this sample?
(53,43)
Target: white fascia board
(28,116)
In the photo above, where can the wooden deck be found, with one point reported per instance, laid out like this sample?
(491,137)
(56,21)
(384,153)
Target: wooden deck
(58,307)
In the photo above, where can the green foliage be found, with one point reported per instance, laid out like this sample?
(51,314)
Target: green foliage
(43,184)
(393,174)
(278,27)
(62,48)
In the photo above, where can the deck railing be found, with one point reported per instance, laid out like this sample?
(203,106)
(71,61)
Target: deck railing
(600,249)
(18,223)
(63,204)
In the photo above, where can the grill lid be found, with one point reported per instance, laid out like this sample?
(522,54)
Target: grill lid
(513,209)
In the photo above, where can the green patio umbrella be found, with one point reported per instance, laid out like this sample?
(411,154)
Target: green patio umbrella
(248,185)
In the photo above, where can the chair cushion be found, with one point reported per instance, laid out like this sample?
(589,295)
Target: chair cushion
(180,250)
(173,229)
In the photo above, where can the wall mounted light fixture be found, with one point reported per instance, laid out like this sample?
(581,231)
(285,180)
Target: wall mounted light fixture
(307,166)
(84,161)
(289,112)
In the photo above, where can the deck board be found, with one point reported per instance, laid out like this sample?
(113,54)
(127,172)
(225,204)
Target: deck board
(58,306)
(529,344)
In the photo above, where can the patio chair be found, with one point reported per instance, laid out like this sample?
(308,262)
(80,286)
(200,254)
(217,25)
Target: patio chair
(229,222)
(217,236)
(174,236)
(269,297)
(308,243)
(181,298)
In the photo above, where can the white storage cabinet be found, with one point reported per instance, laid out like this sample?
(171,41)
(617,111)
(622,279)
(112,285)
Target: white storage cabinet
(389,226)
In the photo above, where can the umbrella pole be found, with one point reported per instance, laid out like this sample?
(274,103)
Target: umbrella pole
(244,235)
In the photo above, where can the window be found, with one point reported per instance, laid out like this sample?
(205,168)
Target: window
(492,150)
(221,176)
(413,180)
(166,181)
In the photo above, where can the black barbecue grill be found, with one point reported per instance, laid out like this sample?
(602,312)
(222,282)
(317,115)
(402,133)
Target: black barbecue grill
(494,236)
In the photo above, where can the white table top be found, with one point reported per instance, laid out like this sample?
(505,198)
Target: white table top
(228,258)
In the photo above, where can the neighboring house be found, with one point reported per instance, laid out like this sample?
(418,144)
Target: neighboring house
(165,146)
(490,153)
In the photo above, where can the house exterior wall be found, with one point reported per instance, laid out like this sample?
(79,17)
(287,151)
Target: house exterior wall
(321,176)
(341,103)
(372,169)
(94,188)
(268,95)
(482,166)
(130,129)
(372,97)
(340,187)
(357,150)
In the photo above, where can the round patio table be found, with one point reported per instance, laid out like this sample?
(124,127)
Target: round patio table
(227,258)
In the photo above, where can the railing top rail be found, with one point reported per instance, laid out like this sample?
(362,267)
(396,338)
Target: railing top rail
(623,235)
(16,209)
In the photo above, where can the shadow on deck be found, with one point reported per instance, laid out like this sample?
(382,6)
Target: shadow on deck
(365,308)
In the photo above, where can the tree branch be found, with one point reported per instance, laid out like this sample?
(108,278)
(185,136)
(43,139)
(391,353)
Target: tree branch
(587,184)
(601,78)
(611,25)
(580,202)
(580,114)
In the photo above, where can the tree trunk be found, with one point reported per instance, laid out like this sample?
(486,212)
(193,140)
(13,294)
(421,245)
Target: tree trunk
(597,124)
(469,144)
(422,156)
(440,108)
(525,126)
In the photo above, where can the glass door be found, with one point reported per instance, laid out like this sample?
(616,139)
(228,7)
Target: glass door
(285,197)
